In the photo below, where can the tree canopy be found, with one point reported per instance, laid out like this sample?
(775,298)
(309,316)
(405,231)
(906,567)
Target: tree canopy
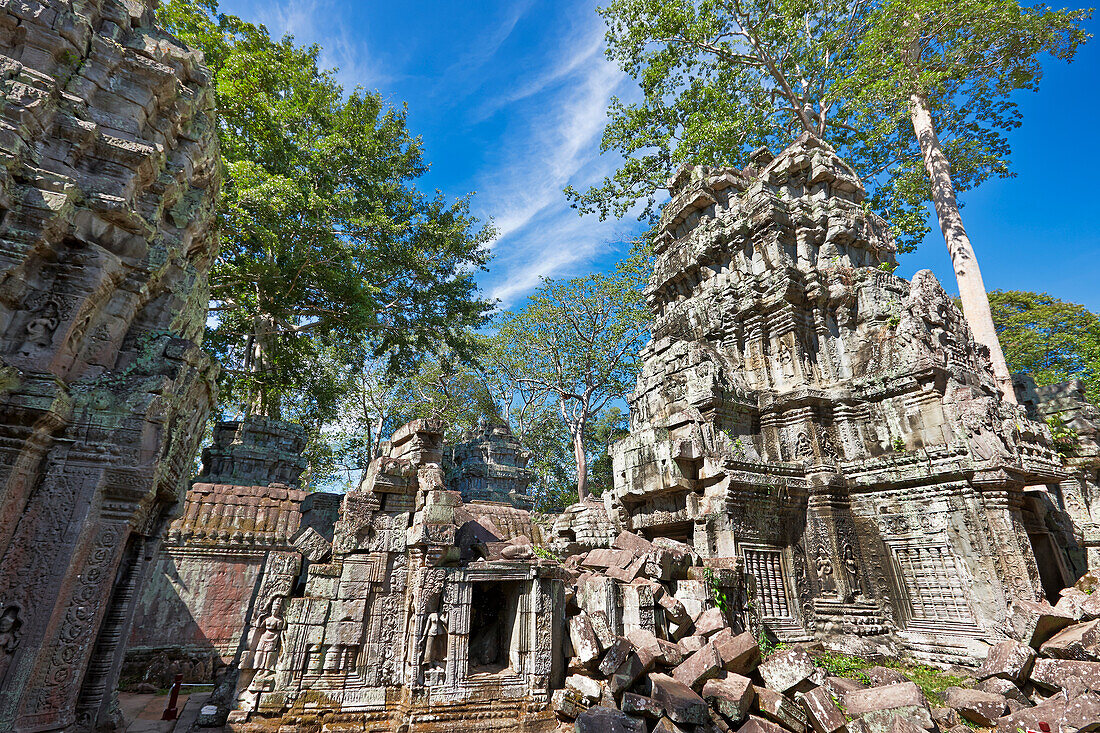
(720,78)
(326,241)
(1049,339)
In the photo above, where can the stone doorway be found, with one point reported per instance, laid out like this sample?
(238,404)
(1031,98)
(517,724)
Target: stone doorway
(1052,574)
(494,613)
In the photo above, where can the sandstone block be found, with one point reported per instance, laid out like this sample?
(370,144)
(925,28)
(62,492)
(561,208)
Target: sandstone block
(633,543)
(1047,711)
(633,704)
(881,676)
(1010,660)
(759,725)
(947,718)
(780,708)
(666,653)
(601,627)
(567,704)
(678,700)
(585,644)
(1003,687)
(732,696)
(1055,674)
(739,653)
(710,622)
(983,708)
(703,665)
(788,670)
(1079,642)
(878,706)
(608,720)
(1033,623)
(839,686)
(587,688)
(637,663)
(691,644)
(666,725)
(615,656)
(821,712)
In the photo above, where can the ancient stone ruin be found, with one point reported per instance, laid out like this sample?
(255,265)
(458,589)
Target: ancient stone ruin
(491,466)
(430,612)
(826,426)
(107,138)
(233,548)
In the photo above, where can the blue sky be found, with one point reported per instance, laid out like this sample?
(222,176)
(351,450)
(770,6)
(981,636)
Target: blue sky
(510,99)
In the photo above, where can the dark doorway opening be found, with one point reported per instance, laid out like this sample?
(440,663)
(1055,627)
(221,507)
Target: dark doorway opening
(494,613)
(1050,568)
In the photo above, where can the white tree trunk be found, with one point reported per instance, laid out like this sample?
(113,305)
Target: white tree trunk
(975,301)
(582,464)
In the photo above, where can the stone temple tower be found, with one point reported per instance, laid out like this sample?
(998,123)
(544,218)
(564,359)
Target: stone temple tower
(829,427)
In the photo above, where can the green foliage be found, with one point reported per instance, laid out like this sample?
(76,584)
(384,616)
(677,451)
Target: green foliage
(720,78)
(546,554)
(1066,439)
(328,249)
(898,445)
(717,593)
(574,345)
(1049,339)
(842,665)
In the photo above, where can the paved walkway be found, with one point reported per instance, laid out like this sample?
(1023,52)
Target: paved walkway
(142,713)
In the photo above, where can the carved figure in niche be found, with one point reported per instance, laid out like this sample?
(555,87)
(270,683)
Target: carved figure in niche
(851,569)
(986,444)
(825,572)
(40,329)
(786,358)
(11,624)
(433,647)
(802,447)
(267,648)
(827,446)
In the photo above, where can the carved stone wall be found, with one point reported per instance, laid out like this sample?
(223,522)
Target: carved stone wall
(1078,496)
(491,466)
(830,425)
(107,184)
(430,614)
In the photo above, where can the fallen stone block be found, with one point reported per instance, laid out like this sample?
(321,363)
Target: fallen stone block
(665,652)
(585,644)
(567,704)
(780,708)
(601,627)
(740,653)
(674,609)
(637,663)
(633,543)
(633,704)
(1003,687)
(691,644)
(821,712)
(881,676)
(1033,623)
(789,670)
(1048,712)
(1064,674)
(1090,606)
(732,696)
(666,725)
(587,688)
(878,706)
(608,720)
(1010,660)
(615,656)
(678,700)
(982,708)
(904,725)
(1079,642)
(710,621)
(947,717)
(1082,713)
(840,686)
(759,725)
(703,665)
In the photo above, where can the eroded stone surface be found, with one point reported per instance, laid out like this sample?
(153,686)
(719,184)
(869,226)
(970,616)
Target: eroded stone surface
(107,185)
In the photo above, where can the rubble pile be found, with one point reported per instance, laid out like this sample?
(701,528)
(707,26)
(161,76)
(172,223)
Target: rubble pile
(651,650)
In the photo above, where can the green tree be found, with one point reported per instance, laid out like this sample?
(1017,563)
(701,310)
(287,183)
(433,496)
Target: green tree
(1049,339)
(576,342)
(326,242)
(948,69)
(720,77)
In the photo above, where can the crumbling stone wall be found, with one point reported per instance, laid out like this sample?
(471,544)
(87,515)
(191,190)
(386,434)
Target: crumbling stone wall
(107,185)
(826,424)
(490,466)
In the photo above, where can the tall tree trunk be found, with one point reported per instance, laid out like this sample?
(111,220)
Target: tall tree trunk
(975,301)
(582,463)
